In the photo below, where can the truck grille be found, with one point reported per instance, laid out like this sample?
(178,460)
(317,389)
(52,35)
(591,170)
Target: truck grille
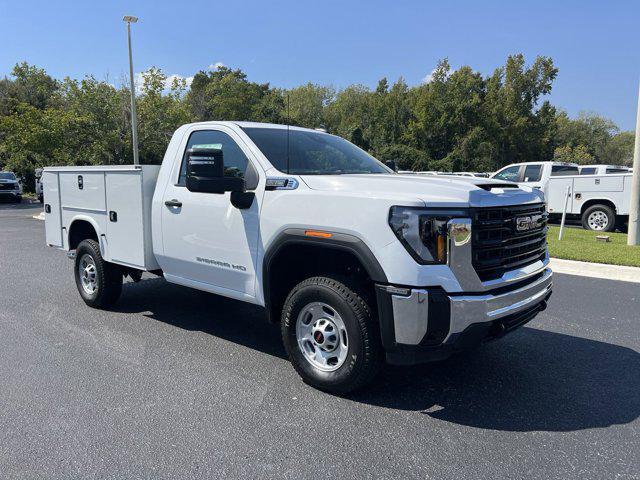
(506,238)
(7,186)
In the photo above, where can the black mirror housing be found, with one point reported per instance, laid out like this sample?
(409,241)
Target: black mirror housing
(205,172)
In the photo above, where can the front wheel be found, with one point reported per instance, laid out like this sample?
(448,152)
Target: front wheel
(99,282)
(600,218)
(330,335)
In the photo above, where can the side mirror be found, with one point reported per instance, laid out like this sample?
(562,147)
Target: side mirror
(392,165)
(205,172)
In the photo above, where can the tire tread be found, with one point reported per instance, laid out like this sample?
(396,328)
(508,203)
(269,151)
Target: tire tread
(363,314)
(109,277)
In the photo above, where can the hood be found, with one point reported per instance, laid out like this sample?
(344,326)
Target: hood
(432,190)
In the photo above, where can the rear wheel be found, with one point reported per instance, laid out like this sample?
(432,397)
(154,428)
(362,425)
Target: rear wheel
(600,218)
(330,335)
(99,282)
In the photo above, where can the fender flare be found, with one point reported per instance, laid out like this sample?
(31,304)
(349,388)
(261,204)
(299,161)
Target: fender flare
(338,241)
(85,218)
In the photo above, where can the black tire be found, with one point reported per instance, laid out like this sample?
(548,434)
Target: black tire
(18,199)
(604,210)
(364,351)
(108,277)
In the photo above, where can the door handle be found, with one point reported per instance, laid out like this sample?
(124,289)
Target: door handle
(173,203)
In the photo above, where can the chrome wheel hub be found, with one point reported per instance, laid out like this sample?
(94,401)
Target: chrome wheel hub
(88,274)
(322,336)
(598,220)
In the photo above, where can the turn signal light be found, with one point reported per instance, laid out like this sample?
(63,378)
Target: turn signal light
(318,234)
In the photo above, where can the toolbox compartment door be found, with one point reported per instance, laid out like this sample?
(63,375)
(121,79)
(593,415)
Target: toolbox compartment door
(125,218)
(52,213)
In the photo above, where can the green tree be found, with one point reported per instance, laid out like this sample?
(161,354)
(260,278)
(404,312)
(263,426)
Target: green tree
(406,157)
(307,104)
(578,154)
(30,85)
(518,130)
(100,108)
(226,94)
(159,114)
(619,149)
(589,130)
(351,115)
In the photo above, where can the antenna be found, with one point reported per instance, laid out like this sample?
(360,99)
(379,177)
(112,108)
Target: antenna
(288,122)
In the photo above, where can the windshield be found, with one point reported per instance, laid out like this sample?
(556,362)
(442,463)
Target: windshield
(312,153)
(7,176)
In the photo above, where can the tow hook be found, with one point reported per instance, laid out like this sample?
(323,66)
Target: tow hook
(71,254)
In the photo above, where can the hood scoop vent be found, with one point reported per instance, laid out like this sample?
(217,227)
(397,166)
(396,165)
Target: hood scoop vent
(489,186)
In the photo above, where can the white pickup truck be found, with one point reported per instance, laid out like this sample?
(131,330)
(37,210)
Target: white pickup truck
(601,202)
(357,263)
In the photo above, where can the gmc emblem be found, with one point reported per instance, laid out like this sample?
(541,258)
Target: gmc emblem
(528,223)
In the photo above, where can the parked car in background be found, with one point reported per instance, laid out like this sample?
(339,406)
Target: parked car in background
(601,202)
(10,186)
(39,191)
(603,169)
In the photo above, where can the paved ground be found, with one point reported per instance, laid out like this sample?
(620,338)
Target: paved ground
(177,383)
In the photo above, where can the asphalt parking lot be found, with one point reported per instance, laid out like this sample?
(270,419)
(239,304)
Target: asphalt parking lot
(179,383)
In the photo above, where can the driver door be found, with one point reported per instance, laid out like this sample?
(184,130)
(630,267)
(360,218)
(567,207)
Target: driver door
(208,243)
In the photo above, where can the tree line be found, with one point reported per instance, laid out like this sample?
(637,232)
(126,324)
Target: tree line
(457,120)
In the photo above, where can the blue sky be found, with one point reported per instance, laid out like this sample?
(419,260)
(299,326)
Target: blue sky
(286,43)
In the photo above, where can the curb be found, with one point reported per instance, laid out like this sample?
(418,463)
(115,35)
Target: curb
(596,270)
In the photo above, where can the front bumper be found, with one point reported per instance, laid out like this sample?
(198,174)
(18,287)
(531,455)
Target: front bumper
(10,193)
(425,324)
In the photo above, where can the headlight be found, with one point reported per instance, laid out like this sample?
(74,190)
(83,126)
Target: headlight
(423,231)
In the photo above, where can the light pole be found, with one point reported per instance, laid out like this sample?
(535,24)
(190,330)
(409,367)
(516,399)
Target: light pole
(634,208)
(134,120)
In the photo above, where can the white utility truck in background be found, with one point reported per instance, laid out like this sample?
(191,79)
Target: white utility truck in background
(603,169)
(357,263)
(601,202)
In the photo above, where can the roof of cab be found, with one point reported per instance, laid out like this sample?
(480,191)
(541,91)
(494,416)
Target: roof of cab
(255,125)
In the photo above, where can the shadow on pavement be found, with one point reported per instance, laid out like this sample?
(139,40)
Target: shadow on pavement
(190,309)
(532,380)
(7,203)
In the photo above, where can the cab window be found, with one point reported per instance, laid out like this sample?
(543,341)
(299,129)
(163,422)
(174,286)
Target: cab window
(588,171)
(559,170)
(509,174)
(532,173)
(235,161)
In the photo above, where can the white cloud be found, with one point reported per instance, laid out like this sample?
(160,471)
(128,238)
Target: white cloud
(139,81)
(428,78)
(216,66)
(169,81)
